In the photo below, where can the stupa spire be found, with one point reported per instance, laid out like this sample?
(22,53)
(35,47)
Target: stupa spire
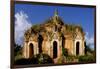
(56,12)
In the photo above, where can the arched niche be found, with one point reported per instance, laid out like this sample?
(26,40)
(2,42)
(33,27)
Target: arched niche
(40,40)
(31,50)
(77,47)
(54,49)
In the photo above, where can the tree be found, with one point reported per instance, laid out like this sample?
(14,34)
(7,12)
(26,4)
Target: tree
(88,49)
(17,49)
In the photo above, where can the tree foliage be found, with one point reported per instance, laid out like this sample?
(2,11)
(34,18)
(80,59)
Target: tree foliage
(17,49)
(88,49)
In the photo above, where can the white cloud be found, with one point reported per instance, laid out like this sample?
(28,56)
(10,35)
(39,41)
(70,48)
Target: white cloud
(89,39)
(21,24)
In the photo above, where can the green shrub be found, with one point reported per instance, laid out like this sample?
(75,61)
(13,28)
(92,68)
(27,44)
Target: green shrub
(86,58)
(71,59)
(61,60)
(37,59)
(42,59)
(19,56)
(65,52)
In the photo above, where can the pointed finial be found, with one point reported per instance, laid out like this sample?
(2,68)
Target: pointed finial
(56,12)
(55,17)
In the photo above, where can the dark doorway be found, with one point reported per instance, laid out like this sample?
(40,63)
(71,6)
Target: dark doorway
(31,50)
(77,48)
(40,40)
(54,49)
(85,50)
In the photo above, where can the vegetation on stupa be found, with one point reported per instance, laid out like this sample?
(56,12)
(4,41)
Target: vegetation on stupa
(39,28)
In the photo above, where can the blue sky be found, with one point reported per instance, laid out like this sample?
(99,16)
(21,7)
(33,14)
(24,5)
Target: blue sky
(37,14)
